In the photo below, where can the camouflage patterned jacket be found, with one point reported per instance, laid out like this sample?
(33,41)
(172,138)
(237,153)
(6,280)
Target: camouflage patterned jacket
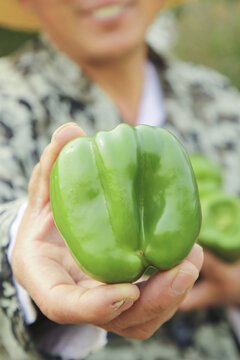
(40,89)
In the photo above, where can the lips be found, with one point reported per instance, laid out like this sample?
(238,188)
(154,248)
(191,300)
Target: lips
(104,11)
(90,6)
(108,11)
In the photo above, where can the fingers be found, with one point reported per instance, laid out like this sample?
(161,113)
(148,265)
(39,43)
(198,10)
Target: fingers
(98,305)
(39,183)
(60,299)
(218,286)
(59,294)
(161,295)
(212,266)
(202,295)
(70,303)
(145,330)
(211,290)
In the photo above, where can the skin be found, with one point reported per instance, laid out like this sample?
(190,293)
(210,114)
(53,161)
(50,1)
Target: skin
(219,285)
(56,284)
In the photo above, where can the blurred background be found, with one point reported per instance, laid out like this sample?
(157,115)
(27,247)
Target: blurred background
(202,31)
(209,33)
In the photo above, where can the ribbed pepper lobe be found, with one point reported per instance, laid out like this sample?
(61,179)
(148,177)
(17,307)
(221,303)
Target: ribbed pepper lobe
(125,199)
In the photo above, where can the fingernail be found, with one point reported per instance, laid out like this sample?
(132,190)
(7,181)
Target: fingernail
(123,304)
(58,133)
(116,305)
(185,278)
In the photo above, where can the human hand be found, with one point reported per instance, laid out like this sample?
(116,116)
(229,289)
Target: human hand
(43,265)
(219,285)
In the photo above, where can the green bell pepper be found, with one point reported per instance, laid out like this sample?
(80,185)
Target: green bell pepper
(209,174)
(124,200)
(220,232)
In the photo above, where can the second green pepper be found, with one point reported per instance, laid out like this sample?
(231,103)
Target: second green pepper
(220,232)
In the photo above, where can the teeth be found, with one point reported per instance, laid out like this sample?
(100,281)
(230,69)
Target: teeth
(108,11)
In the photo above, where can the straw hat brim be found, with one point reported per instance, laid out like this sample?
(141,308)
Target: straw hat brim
(15,16)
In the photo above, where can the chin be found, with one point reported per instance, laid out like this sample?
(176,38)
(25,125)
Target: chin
(113,48)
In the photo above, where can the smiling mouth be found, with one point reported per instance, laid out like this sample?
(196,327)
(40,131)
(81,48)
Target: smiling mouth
(107,10)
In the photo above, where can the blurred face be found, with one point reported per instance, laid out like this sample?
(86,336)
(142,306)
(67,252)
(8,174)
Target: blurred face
(96,29)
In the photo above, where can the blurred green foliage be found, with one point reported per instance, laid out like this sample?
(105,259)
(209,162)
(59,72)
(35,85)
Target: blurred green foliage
(11,40)
(209,34)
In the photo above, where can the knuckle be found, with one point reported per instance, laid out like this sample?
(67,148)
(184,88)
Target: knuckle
(141,334)
(154,308)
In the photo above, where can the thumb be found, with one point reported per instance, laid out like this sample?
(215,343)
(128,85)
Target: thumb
(60,138)
(39,182)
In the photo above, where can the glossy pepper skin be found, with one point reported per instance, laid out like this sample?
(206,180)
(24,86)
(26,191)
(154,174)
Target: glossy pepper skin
(220,231)
(125,199)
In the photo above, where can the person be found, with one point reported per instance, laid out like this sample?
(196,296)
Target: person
(94,68)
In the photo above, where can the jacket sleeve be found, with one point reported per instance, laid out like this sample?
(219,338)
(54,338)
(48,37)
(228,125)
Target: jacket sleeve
(16,162)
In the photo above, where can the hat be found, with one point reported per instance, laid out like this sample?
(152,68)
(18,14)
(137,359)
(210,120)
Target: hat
(15,16)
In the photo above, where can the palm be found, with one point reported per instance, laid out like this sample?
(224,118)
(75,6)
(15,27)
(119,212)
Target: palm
(52,256)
